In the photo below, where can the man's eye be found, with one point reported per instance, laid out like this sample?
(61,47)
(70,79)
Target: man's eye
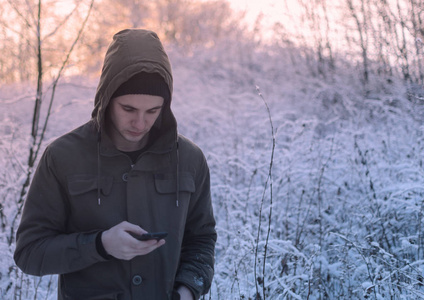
(152,111)
(126,108)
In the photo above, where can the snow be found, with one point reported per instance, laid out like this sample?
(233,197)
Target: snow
(347,175)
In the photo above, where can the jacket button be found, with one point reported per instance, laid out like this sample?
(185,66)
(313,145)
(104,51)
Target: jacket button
(137,280)
(125,177)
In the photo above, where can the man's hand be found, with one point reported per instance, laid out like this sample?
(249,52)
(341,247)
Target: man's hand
(119,243)
(185,293)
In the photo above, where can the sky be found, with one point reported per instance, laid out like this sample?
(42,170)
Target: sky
(270,8)
(272,11)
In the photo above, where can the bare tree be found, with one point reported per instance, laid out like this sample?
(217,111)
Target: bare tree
(402,43)
(16,26)
(316,18)
(383,35)
(39,127)
(360,17)
(417,14)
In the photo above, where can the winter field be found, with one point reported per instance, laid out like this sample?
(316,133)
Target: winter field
(332,210)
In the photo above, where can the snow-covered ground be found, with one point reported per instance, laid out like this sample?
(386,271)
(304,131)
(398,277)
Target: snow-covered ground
(334,211)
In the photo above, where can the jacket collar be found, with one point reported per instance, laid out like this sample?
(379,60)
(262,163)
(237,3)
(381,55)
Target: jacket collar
(163,144)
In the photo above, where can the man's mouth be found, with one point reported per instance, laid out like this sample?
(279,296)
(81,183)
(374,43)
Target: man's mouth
(135,133)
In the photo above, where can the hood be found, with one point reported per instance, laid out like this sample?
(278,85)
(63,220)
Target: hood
(133,51)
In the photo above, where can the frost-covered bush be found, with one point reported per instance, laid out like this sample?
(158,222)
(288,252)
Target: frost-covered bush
(346,181)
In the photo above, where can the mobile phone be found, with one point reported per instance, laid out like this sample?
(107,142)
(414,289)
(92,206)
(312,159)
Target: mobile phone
(151,236)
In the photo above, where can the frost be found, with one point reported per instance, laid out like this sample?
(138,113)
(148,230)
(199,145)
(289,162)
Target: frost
(198,281)
(375,244)
(366,285)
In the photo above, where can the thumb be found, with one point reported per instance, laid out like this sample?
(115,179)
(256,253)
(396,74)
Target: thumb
(132,228)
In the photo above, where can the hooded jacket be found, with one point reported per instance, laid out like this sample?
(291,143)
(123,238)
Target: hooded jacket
(83,185)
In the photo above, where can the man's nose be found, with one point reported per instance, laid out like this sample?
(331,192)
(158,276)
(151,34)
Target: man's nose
(139,122)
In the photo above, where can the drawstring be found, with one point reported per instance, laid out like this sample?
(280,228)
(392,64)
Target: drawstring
(178,176)
(98,166)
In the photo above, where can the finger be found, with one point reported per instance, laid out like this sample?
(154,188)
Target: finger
(130,230)
(141,248)
(138,245)
(143,245)
(149,247)
(130,249)
(129,227)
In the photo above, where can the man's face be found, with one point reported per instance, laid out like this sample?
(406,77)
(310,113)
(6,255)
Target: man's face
(132,117)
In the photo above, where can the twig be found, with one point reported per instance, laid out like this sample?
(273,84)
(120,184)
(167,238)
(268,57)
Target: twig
(269,179)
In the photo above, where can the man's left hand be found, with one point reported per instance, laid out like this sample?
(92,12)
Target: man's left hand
(185,293)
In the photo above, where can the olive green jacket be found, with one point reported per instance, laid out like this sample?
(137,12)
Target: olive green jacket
(84,185)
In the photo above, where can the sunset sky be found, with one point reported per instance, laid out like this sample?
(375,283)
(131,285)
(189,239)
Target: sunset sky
(272,10)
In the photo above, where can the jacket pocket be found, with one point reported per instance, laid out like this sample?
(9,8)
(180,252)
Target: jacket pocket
(167,183)
(91,294)
(83,183)
(166,186)
(87,211)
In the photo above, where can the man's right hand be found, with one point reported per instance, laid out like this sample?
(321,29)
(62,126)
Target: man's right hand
(119,243)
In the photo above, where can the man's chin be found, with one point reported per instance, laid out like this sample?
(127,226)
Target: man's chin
(135,140)
(134,137)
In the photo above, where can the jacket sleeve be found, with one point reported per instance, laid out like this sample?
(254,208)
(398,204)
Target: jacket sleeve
(42,244)
(196,268)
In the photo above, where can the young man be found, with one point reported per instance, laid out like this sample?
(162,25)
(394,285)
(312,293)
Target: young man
(126,172)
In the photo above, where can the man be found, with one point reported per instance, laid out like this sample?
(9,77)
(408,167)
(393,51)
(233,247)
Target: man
(126,172)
